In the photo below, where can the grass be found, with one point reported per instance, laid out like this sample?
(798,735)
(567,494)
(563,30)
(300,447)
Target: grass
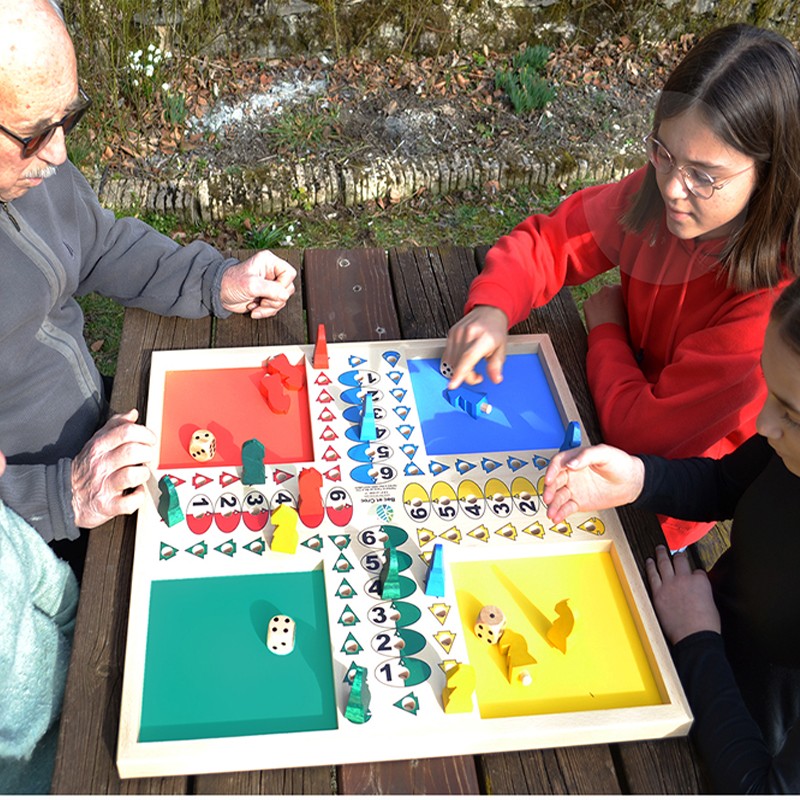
(465,220)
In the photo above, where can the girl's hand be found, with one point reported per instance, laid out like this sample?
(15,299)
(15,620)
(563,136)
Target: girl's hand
(606,305)
(591,478)
(682,596)
(480,334)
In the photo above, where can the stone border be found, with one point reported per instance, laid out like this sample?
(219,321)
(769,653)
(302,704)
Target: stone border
(280,187)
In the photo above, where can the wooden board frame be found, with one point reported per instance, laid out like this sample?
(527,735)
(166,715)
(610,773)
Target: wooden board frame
(436,733)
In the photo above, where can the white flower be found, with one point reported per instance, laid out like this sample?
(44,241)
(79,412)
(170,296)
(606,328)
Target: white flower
(164,87)
(148,70)
(151,47)
(135,81)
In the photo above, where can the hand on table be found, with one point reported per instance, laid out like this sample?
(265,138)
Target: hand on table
(606,305)
(591,478)
(261,285)
(109,473)
(682,596)
(480,334)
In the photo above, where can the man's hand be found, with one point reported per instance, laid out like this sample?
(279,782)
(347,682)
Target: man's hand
(682,596)
(606,305)
(109,473)
(480,334)
(261,285)
(591,478)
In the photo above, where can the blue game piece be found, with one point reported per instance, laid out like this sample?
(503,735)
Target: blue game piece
(434,583)
(474,403)
(572,436)
(367,431)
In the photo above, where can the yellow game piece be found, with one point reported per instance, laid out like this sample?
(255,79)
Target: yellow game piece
(285,537)
(518,659)
(457,695)
(562,626)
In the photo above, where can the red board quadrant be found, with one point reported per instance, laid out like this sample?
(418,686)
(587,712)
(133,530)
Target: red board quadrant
(229,404)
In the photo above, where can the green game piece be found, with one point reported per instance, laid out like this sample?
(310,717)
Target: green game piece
(390,577)
(358,703)
(253,471)
(169,508)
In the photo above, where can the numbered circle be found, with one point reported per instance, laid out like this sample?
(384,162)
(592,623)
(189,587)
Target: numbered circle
(524,495)
(355,397)
(374,473)
(281,497)
(373,537)
(255,510)
(339,506)
(227,512)
(199,514)
(359,377)
(374,587)
(401,672)
(471,499)
(393,614)
(444,501)
(416,502)
(498,497)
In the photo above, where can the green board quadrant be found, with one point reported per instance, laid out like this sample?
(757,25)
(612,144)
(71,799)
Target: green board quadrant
(208,671)
(524,413)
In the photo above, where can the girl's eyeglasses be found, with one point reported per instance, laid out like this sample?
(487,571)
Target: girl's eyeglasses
(33,144)
(694,180)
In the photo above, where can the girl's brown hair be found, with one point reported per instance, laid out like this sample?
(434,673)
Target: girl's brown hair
(786,314)
(746,83)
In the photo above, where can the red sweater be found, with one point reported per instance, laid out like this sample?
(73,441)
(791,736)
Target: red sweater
(683,379)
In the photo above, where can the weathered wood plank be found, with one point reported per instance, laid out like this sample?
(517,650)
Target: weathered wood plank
(287,327)
(350,293)
(575,770)
(86,758)
(664,766)
(368,313)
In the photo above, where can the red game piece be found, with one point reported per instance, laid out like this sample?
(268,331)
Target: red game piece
(272,388)
(293,376)
(309,506)
(321,349)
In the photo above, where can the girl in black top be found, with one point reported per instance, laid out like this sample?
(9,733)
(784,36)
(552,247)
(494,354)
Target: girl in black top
(736,630)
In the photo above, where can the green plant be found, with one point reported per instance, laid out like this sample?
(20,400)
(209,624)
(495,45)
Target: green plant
(175,111)
(523,82)
(299,129)
(274,235)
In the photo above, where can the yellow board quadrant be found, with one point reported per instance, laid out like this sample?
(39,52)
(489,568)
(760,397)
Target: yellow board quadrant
(605,665)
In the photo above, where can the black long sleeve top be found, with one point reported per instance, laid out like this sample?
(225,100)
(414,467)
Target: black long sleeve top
(752,671)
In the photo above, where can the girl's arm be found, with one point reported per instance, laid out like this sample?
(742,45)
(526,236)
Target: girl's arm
(730,743)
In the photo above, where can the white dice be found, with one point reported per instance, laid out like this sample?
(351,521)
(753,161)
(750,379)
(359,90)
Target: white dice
(280,635)
(203,445)
(490,624)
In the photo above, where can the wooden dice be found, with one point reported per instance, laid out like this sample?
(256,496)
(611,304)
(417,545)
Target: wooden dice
(203,445)
(280,635)
(490,624)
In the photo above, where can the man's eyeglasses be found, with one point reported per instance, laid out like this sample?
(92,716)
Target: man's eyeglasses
(695,181)
(33,144)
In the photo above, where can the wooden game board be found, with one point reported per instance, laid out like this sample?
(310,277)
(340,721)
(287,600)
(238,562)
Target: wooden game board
(202,693)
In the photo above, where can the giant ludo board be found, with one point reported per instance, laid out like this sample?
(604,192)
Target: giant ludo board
(203,692)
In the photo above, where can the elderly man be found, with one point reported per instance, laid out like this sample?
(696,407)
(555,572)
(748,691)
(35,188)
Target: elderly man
(69,466)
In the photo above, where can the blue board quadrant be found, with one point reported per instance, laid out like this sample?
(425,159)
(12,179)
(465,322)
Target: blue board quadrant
(208,671)
(524,413)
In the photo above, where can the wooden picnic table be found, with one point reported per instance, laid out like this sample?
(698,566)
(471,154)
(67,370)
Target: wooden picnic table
(365,294)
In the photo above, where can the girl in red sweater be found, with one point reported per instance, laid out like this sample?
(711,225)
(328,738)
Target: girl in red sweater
(704,236)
